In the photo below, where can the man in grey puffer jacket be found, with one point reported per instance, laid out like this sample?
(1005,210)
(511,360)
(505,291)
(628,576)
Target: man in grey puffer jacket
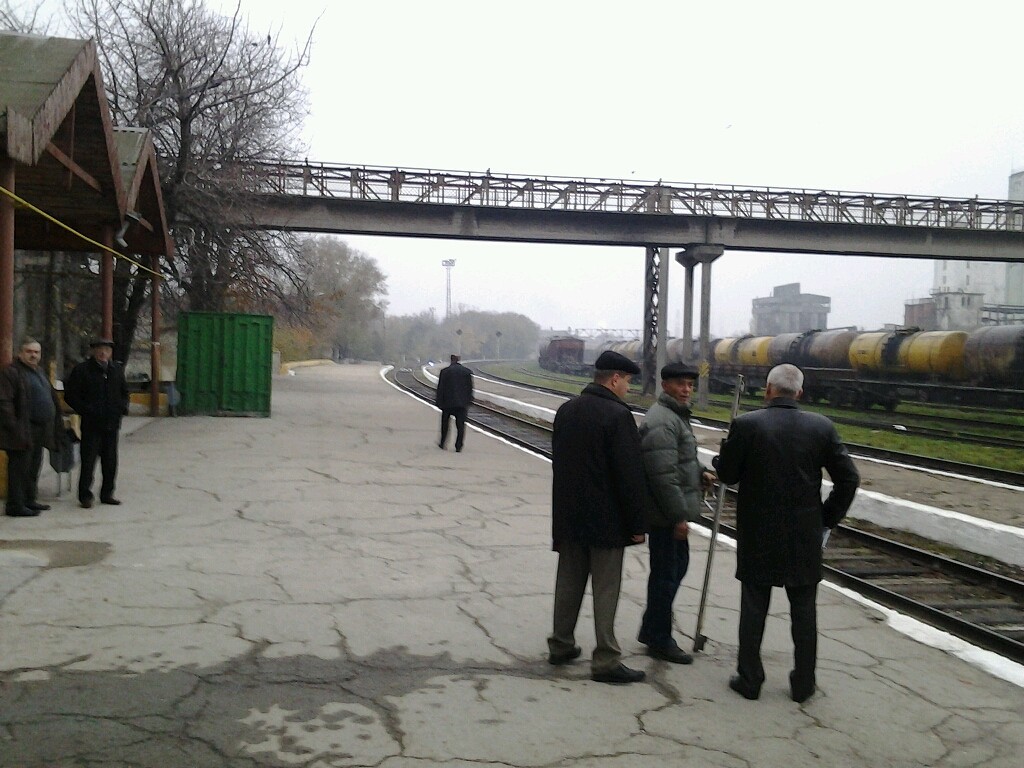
(676,481)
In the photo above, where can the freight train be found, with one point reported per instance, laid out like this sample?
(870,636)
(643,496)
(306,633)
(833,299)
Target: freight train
(849,367)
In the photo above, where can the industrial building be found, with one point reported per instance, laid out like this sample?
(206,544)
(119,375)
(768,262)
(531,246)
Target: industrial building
(789,311)
(968,294)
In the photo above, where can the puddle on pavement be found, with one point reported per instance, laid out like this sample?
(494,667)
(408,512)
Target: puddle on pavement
(60,554)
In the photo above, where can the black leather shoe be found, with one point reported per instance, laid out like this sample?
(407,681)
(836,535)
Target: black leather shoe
(112,501)
(21,512)
(85,503)
(620,675)
(441,446)
(558,659)
(35,505)
(799,693)
(743,688)
(670,653)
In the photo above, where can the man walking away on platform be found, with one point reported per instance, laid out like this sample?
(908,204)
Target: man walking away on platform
(776,454)
(676,482)
(454,395)
(597,498)
(97,391)
(29,421)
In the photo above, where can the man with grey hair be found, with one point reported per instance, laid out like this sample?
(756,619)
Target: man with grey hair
(776,454)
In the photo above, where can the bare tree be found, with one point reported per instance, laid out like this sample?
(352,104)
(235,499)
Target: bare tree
(28,19)
(347,291)
(213,92)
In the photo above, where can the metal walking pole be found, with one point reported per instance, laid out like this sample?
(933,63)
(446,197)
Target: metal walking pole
(698,638)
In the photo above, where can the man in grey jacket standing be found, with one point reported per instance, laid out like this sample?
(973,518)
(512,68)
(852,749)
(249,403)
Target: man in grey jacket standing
(676,480)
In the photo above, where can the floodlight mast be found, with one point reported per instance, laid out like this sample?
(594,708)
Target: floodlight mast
(448,264)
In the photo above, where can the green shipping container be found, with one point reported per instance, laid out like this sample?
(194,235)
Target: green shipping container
(224,363)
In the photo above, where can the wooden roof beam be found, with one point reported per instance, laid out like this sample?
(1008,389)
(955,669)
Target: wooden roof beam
(74,168)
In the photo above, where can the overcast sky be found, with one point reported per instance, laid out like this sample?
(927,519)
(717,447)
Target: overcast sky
(906,97)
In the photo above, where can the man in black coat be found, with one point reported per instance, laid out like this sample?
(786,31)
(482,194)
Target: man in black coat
(30,420)
(97,391)
(776,455)
(598,498)
(453,396)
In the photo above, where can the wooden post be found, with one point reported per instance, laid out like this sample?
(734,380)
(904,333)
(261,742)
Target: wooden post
(6,263)
(107,284)
(154,336)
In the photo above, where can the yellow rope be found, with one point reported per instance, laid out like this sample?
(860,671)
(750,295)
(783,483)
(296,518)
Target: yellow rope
(75,232)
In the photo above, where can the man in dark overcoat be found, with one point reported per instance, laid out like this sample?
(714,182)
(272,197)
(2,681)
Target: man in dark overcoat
(776,454)
(453,396)
(598,497)
(30,420)
(97,391)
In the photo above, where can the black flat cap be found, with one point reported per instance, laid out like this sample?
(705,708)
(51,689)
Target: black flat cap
(679,371)
(101,343)
(613,361)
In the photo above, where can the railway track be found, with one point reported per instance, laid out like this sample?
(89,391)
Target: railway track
(515,429)
(993,474)
(982,607)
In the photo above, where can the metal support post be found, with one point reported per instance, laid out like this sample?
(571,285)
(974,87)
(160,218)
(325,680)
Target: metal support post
(652,311)
(661,348)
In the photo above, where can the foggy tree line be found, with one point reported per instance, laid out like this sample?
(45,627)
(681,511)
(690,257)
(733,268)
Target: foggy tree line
(213,92)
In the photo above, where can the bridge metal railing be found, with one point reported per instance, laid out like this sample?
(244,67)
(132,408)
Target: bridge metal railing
(414,185)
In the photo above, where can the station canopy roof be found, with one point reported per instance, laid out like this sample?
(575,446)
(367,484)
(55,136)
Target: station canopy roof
(70,161)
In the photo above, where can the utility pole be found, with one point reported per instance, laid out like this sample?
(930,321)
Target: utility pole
(448,264)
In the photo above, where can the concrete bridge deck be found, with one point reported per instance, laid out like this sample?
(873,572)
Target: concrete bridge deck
(327,588)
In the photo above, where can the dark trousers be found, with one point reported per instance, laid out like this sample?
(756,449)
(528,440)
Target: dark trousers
(670,557)
(23,470)
(101,444)
(460,426)
(603,567)
(754,602)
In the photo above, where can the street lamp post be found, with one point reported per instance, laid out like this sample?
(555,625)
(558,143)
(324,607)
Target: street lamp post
(448,264)
(497,345)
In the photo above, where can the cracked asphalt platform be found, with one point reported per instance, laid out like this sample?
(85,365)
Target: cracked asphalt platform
(327,588)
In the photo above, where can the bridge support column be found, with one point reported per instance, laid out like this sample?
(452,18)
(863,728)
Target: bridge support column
(689,263)
(655,316)
(704,254)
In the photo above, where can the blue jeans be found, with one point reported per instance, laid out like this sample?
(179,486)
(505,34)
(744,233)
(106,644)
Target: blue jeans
(670,558)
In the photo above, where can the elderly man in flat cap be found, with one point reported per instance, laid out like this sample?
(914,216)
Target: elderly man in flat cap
(97,391)
(598,498)
(676,481)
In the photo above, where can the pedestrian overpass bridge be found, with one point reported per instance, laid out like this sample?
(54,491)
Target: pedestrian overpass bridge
(407,202)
